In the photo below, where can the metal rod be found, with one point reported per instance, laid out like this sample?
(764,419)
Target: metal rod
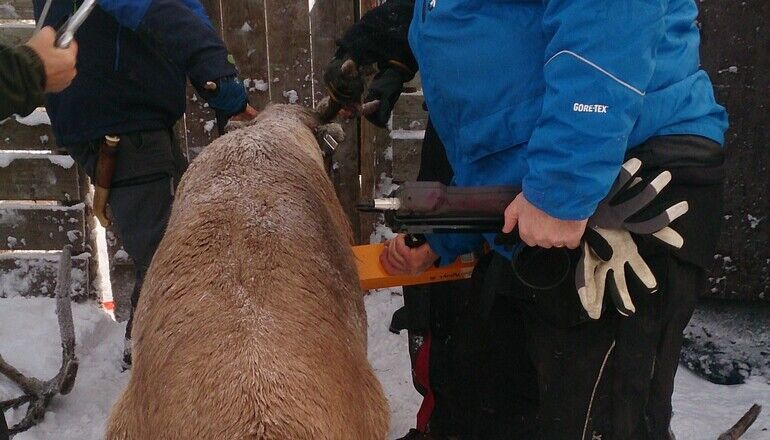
(67,32)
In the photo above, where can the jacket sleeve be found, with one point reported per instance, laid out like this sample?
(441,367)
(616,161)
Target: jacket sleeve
(382,35)
(182,31)
(599,61)
(450,246)
(22,81)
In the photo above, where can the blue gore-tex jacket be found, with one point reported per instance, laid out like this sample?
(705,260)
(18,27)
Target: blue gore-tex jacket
(550,94)
(133,63)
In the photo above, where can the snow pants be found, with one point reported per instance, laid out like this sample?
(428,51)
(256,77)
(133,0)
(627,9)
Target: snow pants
(148,168)
(496,359)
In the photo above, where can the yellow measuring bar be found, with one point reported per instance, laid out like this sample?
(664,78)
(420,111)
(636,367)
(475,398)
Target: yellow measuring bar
(373,276)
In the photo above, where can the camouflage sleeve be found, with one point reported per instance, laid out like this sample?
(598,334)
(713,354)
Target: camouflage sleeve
(22,81)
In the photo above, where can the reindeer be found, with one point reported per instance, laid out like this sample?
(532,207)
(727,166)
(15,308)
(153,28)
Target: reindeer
(251,323)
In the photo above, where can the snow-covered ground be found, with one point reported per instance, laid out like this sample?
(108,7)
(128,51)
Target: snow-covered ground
(29,340)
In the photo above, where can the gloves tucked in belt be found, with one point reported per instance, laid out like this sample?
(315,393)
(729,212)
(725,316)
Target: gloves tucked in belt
(608,248)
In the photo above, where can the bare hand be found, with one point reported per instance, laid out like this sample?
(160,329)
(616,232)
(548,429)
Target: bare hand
(247,115)
(399,259)
(59,64)
(536,228)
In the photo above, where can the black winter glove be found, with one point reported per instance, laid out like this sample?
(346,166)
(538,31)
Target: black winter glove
(343,82)
(386,87)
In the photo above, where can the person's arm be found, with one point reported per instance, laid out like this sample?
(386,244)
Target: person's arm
(22,80)
(598,64)
(381,37)
(184,33)
(28,71)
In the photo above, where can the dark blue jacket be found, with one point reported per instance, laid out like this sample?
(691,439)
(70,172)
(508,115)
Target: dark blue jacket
(134,60)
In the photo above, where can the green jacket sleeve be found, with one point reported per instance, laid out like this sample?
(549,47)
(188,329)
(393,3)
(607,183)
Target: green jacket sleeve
(22,81)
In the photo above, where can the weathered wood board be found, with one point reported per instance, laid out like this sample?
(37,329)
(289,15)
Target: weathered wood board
(17,136)
(32,275)
(329,19)
(16,9)
(25,176)
(289,53)
(408,113)
(42,227)
(14,33)
(406,157)
(244,32)
(736,54)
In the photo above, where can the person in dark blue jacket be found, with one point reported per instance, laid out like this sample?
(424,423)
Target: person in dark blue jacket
(134,62)
(553,96)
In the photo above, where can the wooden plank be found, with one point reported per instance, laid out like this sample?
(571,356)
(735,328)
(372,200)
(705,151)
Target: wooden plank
(17,9)
(375,162)
(288,43)
(735,47)
(406,159)
(26,176)
(244,31)
(409,114)
(17,136)
(14,33)
(329,19)
(41,227)
(34,275)
(375,171)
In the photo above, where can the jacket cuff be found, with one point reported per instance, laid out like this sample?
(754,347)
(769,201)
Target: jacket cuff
(450,246)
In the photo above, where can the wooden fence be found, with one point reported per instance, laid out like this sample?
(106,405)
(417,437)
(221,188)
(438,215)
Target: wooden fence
(281,48)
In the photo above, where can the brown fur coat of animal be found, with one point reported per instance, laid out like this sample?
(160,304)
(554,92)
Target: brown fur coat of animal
(251,324)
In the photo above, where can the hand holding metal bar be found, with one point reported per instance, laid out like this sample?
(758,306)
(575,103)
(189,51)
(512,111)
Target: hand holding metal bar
(66,34)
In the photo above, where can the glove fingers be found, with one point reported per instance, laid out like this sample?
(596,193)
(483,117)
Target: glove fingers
(642,271)
(660,221)
(618,290)
(627,172)
(585,282)
(349,69)
(649,193)
(600,284)
(386,87)
(370,107)
(596,243)
(670,237)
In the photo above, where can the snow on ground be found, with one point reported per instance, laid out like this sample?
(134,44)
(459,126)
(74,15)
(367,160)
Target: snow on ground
(703,410)
(29,340)
(390,359)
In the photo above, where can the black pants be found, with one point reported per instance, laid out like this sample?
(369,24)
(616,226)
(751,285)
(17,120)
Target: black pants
(541,369)
(149,166)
